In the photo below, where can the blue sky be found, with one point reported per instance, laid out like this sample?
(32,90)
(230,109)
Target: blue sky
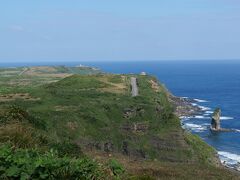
(94,30)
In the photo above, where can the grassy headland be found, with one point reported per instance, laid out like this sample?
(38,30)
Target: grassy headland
(76,114)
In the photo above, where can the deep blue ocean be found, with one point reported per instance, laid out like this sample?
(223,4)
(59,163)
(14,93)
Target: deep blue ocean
(212,83)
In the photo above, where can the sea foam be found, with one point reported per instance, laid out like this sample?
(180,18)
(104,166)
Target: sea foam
(209,112)
(184,117)
(229,159)
(200,100)
(195,127)
(226,118)
(200,117)
(237,130)
(204,108)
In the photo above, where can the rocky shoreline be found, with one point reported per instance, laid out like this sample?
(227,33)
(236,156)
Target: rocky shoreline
(186,108)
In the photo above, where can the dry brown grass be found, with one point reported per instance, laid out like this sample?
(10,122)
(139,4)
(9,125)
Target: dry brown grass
(66,108)
(138,169)
(117,88)
(45,71)
(12,72)
(19,135)
(154,86)
(72,125)
(13,97)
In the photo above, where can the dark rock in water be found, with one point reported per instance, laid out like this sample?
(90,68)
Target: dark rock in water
(215,124)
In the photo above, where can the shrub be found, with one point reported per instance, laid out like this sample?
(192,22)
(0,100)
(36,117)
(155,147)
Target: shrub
(67,149)
(18,114)
(21,135)
(30,164)
(116,168)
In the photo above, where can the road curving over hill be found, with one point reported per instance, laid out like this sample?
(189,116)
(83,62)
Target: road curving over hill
(134,86)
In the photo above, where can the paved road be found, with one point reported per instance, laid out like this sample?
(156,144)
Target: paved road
(21,73)
(134,86)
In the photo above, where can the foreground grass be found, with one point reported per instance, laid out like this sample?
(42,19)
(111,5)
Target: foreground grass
(30,164)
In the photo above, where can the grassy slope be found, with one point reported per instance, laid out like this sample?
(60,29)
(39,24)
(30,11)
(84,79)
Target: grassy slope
(91,111)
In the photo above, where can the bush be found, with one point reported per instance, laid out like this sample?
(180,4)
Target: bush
(30,164)
(18,114)
(67,149)
(116,168)
(21,135)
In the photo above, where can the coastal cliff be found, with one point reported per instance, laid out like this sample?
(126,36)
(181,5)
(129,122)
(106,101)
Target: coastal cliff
(96,115)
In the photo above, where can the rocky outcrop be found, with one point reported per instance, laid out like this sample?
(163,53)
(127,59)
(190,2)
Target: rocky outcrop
(129,113)
(132,112)
(215,124)
(125,148)
(136,127)
(91,145)
(108,147)
(185,106)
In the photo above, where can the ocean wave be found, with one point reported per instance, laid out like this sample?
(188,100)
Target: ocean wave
(204,108)
(200,117)
(226,118)
(184,117)
(237,130)
(194,104)
(206,124)
(200,100)
(209,112)
(195,127)
(229,159)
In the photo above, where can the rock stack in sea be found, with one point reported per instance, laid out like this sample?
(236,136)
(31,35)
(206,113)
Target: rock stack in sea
(215,124)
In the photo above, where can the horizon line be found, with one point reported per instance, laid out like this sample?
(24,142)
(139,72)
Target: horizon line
(142,60)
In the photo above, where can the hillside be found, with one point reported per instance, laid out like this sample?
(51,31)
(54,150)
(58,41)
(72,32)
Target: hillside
(82,112)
